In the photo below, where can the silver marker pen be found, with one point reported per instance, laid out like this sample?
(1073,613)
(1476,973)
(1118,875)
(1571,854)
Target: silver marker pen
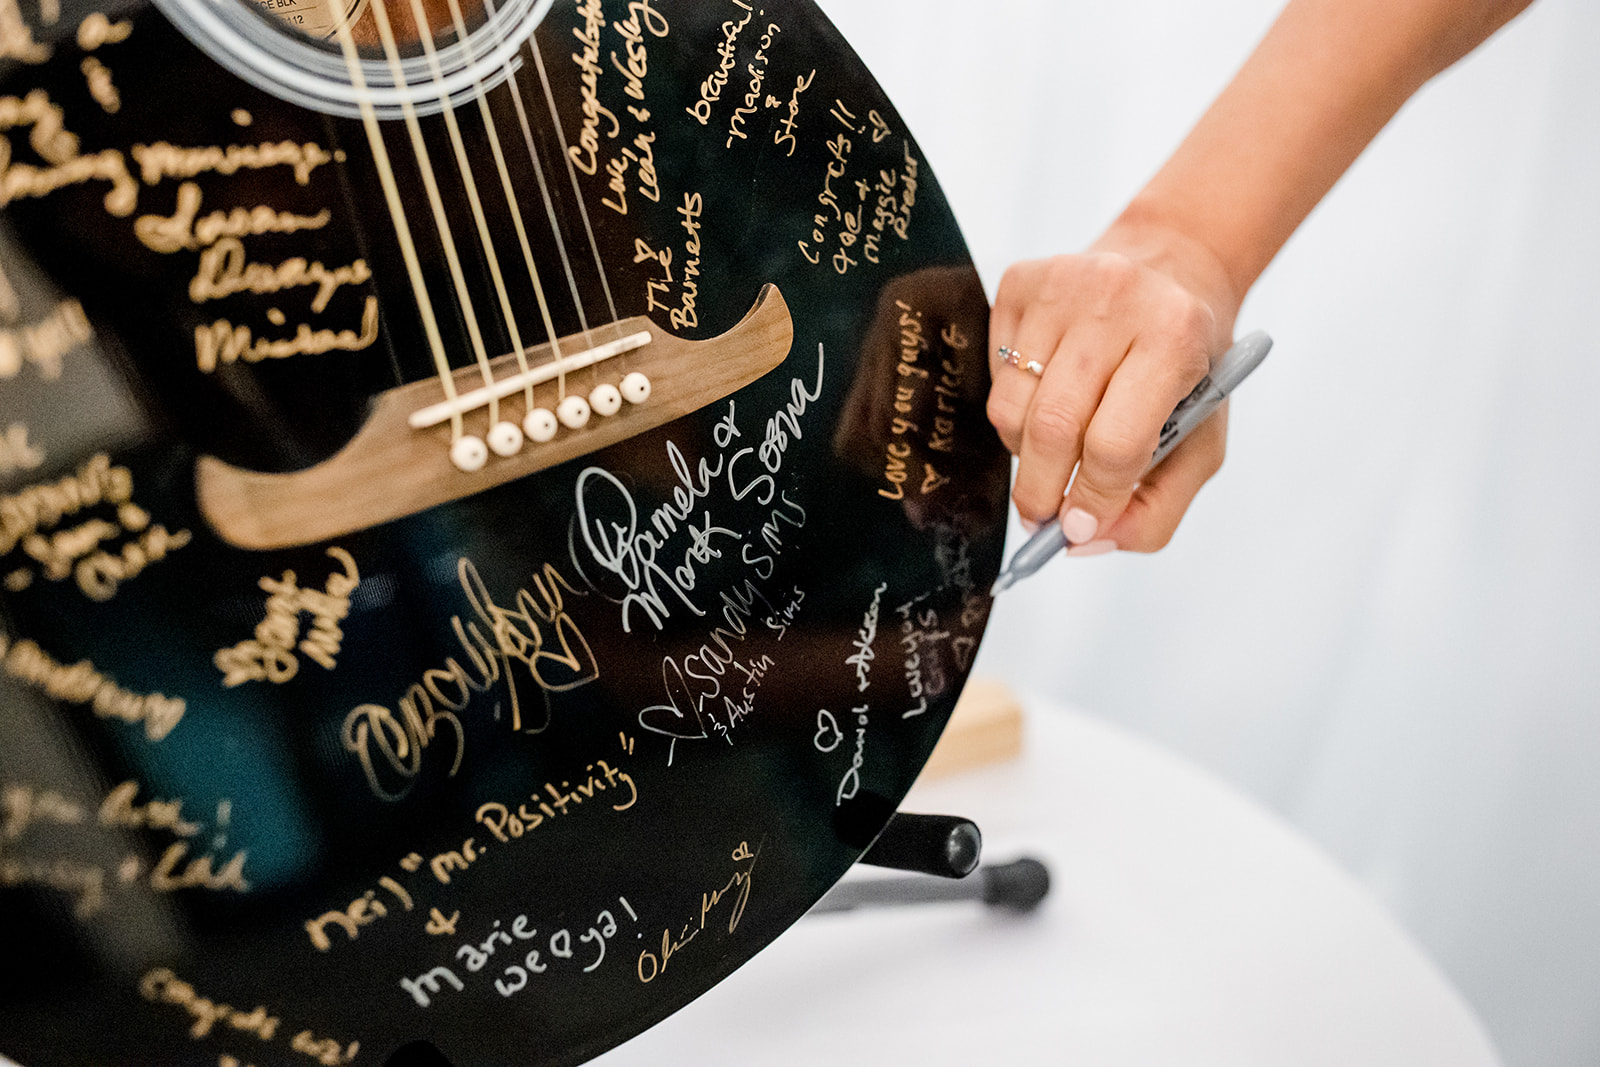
(1234,366)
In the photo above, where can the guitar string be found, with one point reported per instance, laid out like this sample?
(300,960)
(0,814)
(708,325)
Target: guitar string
(484,235)
(515,203)
(572,179)
(469,183)
(528,141)
(397,212)
(430,185)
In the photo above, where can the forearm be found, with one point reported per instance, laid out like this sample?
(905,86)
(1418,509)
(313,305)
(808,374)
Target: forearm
(1116,337)
(1323,82)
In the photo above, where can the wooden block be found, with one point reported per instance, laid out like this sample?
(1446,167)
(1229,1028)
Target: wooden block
(985,728)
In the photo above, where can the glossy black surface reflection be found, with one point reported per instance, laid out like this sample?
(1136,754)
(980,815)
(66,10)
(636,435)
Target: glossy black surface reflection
(514,776)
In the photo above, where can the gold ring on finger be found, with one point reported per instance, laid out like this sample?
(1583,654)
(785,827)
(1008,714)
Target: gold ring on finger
(1014,358)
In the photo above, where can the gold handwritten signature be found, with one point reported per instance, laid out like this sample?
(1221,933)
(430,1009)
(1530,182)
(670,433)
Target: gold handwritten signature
(81,683)
(727,53)
(584,154)
(17,453)
(270,655)
(651,964)
(44,343)
(85,551)
(537,632)
(153,163)
(208,1013)
(225,342)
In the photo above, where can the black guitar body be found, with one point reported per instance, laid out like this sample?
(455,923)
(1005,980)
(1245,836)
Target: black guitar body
(515,766)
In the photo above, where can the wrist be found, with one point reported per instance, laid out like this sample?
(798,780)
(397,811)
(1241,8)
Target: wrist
(1145,236)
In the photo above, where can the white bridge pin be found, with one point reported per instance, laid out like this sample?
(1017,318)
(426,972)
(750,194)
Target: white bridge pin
(636,388)
(469,453)
(540,425)
(573,412)
(505,438)
(605,399)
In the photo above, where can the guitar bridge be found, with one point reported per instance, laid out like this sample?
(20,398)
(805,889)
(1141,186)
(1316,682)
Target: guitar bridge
(390,470)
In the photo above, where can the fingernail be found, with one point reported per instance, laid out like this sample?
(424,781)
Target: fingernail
(1093,548)
(1029,525)
(1079,526)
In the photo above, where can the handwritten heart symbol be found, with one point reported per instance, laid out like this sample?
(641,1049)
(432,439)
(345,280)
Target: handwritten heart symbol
(585,667)
(827,724)
(667,719)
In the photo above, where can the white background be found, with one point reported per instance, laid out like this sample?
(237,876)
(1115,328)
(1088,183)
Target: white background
(1383,618)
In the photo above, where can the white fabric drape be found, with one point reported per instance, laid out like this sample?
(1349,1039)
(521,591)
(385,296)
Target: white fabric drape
(1383,617)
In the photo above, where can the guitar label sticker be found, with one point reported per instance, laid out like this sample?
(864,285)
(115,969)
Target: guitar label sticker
(314,18)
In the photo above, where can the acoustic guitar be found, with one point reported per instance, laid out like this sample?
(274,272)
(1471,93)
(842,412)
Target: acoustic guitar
(495,510)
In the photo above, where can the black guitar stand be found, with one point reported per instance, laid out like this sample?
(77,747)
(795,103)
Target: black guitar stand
(941,854)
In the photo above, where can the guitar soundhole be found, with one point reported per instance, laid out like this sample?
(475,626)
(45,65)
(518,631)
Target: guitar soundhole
(441,21)
(333,57)
(316,19)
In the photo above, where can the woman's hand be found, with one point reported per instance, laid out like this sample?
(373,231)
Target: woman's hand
(1106,344)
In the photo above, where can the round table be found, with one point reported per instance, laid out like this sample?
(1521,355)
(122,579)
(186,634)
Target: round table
(1185,925)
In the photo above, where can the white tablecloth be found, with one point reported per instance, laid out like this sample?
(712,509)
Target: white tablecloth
(1186,926)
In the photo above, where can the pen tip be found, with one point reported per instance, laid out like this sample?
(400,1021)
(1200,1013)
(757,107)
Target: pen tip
(1001,584)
